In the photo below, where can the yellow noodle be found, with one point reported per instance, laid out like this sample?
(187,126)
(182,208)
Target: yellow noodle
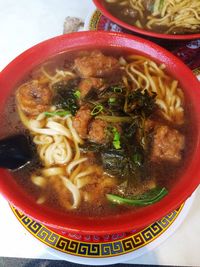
(75,172)
(83,182)
(149,77)
(75,135)
(173,14)
(140,74)
(54,171)
(41,200)
(42,139)
(73,164)
(39,180)
(74,190)
(60,129)
(58,153)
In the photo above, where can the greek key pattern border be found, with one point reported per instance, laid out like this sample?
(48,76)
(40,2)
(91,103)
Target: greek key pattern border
(197,71)
(122,246)
(94,21)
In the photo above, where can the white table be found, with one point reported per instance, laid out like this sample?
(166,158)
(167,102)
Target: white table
(22,24)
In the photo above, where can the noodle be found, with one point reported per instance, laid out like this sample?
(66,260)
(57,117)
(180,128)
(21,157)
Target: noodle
(41,200)
(54,171)
(39,180)
(59,76)
(173,14)
(74,163)
(74,190)
(140,71)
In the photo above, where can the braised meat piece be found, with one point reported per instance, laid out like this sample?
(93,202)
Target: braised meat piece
(149,125)
(81,121)
(128,11)
(87,84)
(167,144)
(97,131)
(33,98)
(96,65)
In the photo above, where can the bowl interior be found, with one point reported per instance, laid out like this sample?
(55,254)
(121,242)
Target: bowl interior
(100,5)
(18,68)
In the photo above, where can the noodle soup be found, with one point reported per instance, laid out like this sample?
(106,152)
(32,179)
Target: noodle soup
(107,127)
(162,16)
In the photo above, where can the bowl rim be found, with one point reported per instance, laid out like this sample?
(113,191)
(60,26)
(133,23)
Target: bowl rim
(84,40)
(106,13)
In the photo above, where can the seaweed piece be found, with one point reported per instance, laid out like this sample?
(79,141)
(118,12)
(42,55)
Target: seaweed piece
(91,95)
(65,95)
(141,103)
(116,162)
(92,147)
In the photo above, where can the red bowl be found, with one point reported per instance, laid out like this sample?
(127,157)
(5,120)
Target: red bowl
(99,4)
(185,186)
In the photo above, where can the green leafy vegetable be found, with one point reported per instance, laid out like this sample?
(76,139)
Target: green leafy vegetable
(77,94)
(96,110)
(57,113)
(131,129)
(116,162)
(150,197)
(64,95)
(115,118)
(116,138)
(141,103)
(137,159)
(90,146)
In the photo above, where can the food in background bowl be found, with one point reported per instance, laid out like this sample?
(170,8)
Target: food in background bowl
(159,18)
(115,125)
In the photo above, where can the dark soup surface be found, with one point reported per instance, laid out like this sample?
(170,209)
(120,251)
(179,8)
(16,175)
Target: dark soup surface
(110,131)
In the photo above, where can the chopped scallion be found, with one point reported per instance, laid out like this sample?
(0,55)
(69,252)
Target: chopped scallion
(117,89)
(112,100)
(96,110)
(60,113)
(77,94)
(116,139)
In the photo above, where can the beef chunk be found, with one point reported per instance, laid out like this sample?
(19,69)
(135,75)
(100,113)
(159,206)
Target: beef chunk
(81,121)
(167,144)
(128,11)
(87,84)
(33,98)
(97,132)
(96,65)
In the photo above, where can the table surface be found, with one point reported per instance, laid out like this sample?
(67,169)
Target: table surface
(23,24)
